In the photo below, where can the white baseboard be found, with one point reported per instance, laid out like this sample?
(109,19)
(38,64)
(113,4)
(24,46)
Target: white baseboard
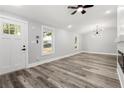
(57,58)
(102,53)
(51,59)
(120,75)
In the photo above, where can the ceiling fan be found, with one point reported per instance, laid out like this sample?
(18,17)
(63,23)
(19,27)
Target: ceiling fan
(79,8)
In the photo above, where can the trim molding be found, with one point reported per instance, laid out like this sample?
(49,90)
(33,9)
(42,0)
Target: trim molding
(119,79)
(51,59)
(120,75)
(102,53)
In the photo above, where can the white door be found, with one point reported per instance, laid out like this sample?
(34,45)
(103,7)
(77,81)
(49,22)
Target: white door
(13,45)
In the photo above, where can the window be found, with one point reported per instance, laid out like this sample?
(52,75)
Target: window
(76,42)
(11,29)
(48,40)
(5,28)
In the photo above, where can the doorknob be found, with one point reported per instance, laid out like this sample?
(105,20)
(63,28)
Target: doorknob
(23,48)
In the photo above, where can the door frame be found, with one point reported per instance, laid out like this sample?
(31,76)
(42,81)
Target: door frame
(26,28)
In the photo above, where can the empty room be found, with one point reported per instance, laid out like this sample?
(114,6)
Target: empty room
(61,46)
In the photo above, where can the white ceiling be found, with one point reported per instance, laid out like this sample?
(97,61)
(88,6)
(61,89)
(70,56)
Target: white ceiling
(59,16)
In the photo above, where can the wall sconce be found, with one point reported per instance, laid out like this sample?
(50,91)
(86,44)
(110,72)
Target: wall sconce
(98,30)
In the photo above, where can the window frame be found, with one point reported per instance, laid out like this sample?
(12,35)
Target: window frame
(53,40)
(77,43)
(5,21)
(9,30)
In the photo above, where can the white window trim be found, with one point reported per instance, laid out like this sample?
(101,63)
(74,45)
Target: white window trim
(53,41)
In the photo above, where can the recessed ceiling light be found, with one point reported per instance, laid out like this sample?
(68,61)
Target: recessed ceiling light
(69,26)
(108,12)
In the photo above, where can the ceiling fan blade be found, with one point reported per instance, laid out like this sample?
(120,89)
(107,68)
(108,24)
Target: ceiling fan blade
(80,6)
(72,7)
(73,12)
(83,12)
(88,6)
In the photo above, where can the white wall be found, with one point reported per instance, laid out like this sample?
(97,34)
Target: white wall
(64,40)
(120,16)
(120,45)
(120,31)
(64,43)
(102,44)
(105,43)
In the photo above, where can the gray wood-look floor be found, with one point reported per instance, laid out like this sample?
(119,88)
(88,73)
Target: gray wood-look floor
(81,70)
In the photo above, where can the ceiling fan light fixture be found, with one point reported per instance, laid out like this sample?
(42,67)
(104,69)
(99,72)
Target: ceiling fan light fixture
(79,9)
(69,26)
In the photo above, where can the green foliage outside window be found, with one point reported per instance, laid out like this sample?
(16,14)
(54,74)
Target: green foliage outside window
(11,29)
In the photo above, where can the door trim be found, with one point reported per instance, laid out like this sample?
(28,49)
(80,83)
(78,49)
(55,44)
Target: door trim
(26,28)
